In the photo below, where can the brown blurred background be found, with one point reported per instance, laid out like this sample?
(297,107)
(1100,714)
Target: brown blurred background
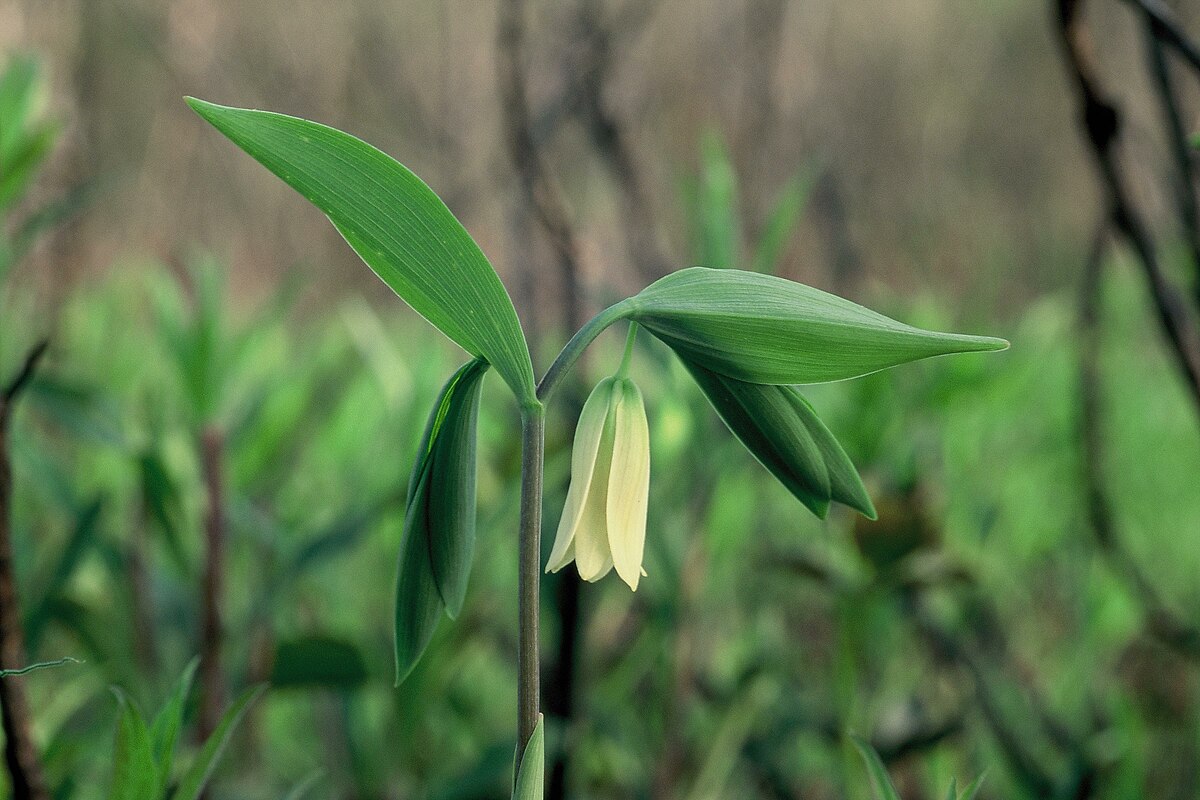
(943,133)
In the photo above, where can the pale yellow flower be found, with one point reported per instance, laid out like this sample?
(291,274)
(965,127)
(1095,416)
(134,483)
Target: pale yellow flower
(603,523)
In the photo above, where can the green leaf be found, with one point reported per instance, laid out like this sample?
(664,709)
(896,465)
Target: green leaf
(715,206)
(164,731)
(18,84)
(202,768)
(764,329)
(973,788)
(439,526)
(451,437)
(845,485)
(83,539)
(531,779)
(884,790)
(781,429)
(303,787)
(135,774)
(781,221)
(320,661)
(397,225)
(766,421)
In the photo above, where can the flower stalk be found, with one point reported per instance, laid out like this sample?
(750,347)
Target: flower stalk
(533,426)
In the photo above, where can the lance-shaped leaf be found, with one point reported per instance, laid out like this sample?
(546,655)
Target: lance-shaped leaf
(783,432)
(191,785)
(884,790)
(439,524)
(845,485)
(764,329)
(396,224)
(531,781)
(135,772)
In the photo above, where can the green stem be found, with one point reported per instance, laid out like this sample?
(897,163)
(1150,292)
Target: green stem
(623,370)
(579,342)
(529,558)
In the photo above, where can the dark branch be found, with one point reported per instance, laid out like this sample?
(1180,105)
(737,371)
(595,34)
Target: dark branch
(1161,622)
(1101,123)
(1167,29)
(1181,151)
(538,190)
(24,375)
(21,757)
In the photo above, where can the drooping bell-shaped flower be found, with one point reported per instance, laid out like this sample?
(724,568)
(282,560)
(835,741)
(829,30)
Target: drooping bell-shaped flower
(603,523)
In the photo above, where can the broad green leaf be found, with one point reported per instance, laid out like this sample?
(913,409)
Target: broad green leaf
(135,773)
(439,525)
(396,224)
(768,422)
(764,329)
(164,731)
(530,784)
(884,790)
(952,792)
(195,779)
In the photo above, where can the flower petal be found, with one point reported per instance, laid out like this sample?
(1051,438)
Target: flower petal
(593,556)
(629,482)
(583,462)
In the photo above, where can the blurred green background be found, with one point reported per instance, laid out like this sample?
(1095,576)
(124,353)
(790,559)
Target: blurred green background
(920,157)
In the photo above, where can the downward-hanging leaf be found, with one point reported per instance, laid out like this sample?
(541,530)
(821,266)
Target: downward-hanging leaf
(396,224)
(764,329)
(439,524)
(764,418)
(531,779)
(845,485)
(782,431)
(195,779)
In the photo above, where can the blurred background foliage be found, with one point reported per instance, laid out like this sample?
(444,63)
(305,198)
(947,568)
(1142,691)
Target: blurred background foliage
(207,330)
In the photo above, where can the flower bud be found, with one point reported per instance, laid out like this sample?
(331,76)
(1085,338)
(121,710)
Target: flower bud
(603,523)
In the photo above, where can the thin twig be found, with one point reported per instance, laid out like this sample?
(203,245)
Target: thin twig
(21,380)
(1101,122)
(608,135)
(1168,29)
(1181,151)
(20,752)
(538,190)
(1162,623)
